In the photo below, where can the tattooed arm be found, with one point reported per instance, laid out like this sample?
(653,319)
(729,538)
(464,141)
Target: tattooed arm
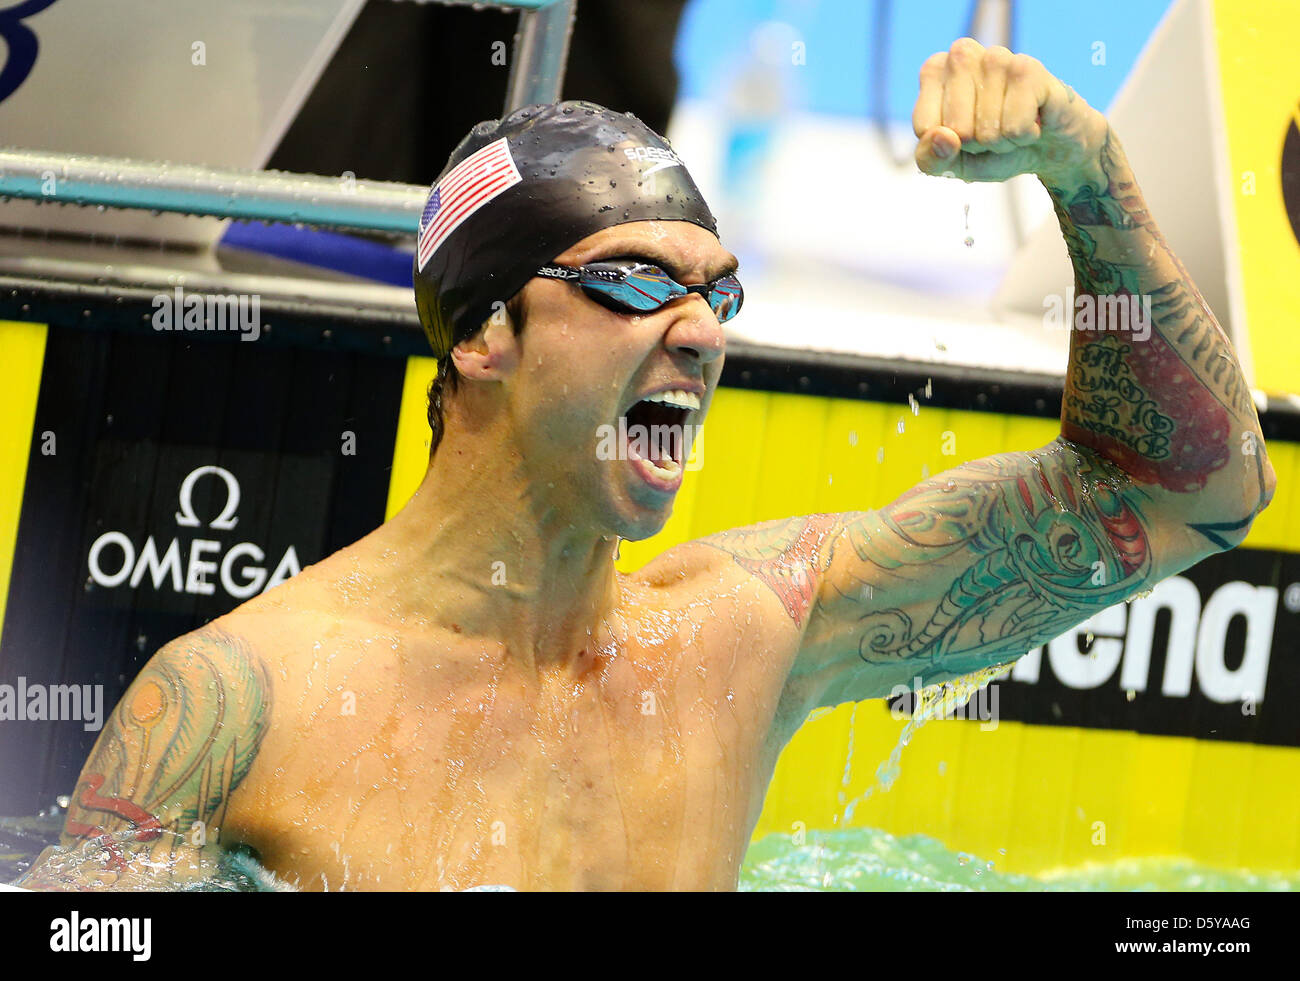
(1160,460)
(148,808)
(1165,400)
(969,569)
(1153,385)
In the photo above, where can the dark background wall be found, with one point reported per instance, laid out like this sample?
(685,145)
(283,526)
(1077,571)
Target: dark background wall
(410,80)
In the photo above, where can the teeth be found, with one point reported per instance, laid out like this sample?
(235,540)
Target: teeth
(667,469)
(677,399)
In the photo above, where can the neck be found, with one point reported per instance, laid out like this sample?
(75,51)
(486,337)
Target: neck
(481,550)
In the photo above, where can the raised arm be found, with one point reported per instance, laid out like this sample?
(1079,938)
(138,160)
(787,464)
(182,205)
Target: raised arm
(1160,461)
(148,808)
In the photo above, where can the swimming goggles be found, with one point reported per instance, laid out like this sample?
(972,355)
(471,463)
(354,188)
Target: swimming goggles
(638,287)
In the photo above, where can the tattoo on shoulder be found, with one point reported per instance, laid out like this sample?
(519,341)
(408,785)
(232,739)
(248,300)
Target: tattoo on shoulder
(181,739)
(786,555)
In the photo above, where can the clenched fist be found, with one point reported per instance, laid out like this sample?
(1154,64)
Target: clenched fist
(985,114)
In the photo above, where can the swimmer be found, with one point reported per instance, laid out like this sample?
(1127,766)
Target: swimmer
(474,695)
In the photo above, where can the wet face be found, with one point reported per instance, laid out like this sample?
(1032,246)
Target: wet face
(606,402)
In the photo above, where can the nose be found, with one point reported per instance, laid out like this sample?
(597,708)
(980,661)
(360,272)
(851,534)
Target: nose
(695,330)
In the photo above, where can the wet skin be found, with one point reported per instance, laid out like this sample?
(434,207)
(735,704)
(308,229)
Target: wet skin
(638,762)
(473,694)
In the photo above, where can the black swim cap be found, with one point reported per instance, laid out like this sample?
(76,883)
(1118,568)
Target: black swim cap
(519,191)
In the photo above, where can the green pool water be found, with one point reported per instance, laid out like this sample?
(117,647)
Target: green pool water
(857,860)
(867,860)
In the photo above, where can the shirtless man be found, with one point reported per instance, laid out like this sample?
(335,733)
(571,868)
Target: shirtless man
(410,714)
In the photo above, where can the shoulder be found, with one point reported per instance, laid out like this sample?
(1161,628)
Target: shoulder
(223,644)
(787,556)
(683,564)
(208,680)
(803,539)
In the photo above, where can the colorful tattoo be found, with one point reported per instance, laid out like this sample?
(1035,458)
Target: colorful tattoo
(1169,408)
(785,555)
(1028,544)
(968,569)
(181,739)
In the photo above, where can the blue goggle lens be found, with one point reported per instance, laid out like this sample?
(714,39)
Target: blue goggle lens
(642,288)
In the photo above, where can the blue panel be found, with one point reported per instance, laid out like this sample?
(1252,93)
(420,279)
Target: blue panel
(328,250)
(838,38)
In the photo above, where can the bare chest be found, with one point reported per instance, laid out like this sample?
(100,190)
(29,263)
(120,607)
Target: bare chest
(637,772)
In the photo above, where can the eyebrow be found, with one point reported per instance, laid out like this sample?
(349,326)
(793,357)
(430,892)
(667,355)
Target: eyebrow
(649,254)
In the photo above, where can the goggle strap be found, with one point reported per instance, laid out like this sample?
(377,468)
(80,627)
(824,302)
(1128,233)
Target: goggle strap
(559,272)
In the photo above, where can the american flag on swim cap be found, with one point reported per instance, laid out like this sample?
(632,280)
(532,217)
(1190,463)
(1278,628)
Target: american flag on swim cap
(465,188)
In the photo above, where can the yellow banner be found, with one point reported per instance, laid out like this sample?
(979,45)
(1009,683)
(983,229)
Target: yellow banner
(1260,75)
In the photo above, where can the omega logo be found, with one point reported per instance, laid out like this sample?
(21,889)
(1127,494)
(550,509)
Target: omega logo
(115,561)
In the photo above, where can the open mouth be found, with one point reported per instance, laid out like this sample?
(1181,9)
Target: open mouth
(657,436)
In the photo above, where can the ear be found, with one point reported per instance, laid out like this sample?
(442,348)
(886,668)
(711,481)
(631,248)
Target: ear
(491,354)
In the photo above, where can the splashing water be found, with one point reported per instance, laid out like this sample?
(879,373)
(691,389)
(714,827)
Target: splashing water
(932,702)
(97,861)
(870,859)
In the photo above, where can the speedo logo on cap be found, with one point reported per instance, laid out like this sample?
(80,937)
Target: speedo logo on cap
(472,183)
(663,157)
